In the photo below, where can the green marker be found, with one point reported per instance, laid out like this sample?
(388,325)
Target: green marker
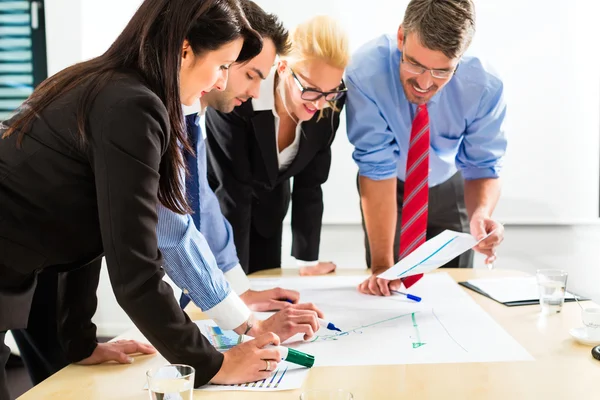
(294,356)
(290,355)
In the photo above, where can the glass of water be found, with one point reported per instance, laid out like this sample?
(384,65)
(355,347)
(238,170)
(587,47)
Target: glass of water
(171,382)
(551,285)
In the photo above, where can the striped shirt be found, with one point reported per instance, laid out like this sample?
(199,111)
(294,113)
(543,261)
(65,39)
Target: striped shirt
(203,262)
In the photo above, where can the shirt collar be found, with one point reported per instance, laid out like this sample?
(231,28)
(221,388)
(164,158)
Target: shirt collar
(194,108)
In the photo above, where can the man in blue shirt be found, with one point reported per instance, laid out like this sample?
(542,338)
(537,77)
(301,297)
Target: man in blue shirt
(418,90)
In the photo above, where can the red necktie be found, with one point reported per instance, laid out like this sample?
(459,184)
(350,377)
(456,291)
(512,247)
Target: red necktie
(413,229)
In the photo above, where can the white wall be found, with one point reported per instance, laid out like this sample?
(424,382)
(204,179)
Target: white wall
(63,33)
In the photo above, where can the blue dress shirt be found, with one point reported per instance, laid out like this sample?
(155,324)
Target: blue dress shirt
(465,118)
(197,249)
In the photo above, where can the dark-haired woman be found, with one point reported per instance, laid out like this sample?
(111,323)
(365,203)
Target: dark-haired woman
(84,164)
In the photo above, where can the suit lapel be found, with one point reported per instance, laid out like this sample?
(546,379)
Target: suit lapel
(264,130)
(310,140)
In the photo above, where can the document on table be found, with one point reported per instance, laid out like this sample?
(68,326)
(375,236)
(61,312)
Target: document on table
(447,326)
(432,254)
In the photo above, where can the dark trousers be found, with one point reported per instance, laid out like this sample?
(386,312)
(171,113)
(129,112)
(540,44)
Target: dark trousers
(265,252)
(4,354)
(16,293)
(446,211)
(38,343)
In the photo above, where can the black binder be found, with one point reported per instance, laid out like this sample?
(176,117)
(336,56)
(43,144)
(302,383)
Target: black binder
(524,302)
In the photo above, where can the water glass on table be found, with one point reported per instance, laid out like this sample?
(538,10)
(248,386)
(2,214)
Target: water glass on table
(591,320)
(552,284)
(171,382)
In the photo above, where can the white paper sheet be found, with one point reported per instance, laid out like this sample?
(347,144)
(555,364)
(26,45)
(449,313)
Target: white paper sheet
(432,254)
(511,289)
(286,377)
(447,326)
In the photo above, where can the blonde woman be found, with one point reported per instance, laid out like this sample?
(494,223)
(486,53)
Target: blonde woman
(284,132)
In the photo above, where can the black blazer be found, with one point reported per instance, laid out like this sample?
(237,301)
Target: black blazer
(65,204)
(244,173)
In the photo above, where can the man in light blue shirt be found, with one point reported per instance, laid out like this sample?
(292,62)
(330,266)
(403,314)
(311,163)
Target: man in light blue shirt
(388,78)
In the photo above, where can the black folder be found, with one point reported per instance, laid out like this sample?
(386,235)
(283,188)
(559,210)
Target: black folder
(523,302)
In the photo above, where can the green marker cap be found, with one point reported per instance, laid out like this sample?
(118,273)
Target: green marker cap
(300,358)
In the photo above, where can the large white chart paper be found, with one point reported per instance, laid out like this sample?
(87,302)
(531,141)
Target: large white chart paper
(432,254)
(447,326)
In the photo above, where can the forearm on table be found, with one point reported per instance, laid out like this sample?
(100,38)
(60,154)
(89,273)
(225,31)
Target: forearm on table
(378,200)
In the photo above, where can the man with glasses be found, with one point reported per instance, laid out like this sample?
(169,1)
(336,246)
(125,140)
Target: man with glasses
(427,126)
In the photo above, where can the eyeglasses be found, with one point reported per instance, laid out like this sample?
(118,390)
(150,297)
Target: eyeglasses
(310,94)
(418,70)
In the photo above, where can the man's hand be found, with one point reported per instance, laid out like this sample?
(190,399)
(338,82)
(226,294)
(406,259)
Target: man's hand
(293,319)
(269,300)
(481,226)
(118,351)
(377,286)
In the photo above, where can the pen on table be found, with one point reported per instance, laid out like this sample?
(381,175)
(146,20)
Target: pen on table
(408,296)
(323,323)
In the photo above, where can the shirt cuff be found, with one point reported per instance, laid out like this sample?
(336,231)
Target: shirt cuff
(238,280)
(302,263)
(471,173)
(230,313)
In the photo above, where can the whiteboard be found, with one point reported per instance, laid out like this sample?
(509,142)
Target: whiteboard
(547,53)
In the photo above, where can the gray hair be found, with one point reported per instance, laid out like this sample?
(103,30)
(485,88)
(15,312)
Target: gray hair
(443,25)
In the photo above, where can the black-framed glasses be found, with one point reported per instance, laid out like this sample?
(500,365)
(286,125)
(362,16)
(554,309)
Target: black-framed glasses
(311,94)
(419,70)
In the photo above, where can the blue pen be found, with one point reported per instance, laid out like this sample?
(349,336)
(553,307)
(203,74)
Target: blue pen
(408,296)
(323,323)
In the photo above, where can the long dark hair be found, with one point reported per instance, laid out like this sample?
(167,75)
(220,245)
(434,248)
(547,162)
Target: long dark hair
(151,45)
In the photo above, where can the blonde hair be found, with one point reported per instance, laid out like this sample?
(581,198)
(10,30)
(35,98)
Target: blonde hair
(319,38)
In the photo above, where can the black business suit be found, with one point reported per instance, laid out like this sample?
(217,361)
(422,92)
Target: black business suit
(64,204)
(254,195)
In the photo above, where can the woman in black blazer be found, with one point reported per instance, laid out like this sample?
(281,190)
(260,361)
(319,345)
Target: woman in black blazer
(83,165)
(286,132)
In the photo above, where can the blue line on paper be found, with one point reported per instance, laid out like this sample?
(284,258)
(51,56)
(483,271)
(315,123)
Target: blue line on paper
(428,257)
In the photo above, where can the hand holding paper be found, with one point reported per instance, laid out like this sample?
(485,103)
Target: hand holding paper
(432,254)
(480,226)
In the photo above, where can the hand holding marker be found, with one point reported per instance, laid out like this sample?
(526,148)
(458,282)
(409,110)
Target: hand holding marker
(290,355)
(323,323)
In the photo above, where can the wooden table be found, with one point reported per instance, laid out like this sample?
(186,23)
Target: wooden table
(562,367)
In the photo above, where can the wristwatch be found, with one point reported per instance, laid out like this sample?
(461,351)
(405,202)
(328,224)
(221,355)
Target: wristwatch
(249,326)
